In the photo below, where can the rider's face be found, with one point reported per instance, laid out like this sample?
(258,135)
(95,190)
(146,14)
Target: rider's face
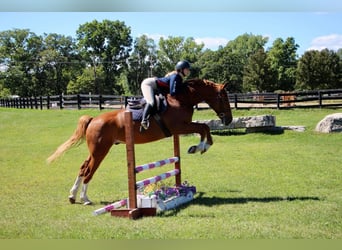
(186,71)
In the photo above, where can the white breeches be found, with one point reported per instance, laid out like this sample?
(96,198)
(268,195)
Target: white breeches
(147,88)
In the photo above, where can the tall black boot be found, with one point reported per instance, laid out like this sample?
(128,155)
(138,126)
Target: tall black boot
(145,117)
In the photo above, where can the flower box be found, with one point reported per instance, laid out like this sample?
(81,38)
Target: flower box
(166,198)
(146,201)
(174,201)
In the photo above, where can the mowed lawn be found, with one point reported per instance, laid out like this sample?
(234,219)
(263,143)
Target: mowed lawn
(249,186)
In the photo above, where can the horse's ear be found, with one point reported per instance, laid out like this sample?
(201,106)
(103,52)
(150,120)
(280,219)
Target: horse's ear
(225,85)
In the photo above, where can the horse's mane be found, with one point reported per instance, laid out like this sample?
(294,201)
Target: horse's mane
(196,81)
(202,87)
(192,84)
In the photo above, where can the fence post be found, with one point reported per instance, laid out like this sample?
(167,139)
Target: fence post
(31,102)
(79,101)
(278,101)
(48,102)
(320,98)
(61,101)
(100,102)
(235,101)
(126,101)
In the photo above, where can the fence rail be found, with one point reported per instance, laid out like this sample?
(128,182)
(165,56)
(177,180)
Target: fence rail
(303,99)
(79,101)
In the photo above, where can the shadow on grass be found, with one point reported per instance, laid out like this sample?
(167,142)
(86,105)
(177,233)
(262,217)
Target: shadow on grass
(212,201)
(237,132)
(228,132)
(201,200)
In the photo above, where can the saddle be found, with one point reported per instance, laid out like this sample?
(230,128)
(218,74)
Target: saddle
(136,106)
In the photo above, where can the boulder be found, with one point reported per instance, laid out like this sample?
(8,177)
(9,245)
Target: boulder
(330,123)
(252,124)
(260,121)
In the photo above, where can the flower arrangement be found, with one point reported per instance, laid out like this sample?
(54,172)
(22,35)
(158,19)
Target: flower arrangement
(168,197)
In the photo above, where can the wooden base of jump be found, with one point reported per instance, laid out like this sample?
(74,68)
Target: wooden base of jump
(133,211)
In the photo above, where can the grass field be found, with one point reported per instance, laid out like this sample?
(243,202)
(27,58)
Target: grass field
(249,186)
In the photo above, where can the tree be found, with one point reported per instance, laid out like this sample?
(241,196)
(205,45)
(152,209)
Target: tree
(174,49)
(84,83)
(107,43)
(4,92)
(227,63)
(141,62)
(210,67)
(192,51)
(59,63)
(319,70)
(283,60)
(19,54)
(257,73)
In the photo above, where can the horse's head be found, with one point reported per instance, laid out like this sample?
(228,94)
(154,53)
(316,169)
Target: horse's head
(222,105)
(215,95)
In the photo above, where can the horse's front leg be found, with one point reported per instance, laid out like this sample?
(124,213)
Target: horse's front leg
(204,131)
(201,147)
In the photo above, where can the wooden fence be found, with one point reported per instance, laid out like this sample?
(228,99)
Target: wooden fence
(66,102)
(304,99)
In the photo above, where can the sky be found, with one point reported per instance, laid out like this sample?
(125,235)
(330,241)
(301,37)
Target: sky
(311,30)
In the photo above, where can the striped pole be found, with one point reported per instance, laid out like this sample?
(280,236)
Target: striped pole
(157,178)
(110,207)
(156,164)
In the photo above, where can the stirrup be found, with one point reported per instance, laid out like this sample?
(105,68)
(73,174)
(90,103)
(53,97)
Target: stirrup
(144,125)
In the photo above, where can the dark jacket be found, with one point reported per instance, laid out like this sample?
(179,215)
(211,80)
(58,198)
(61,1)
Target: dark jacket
(173,82)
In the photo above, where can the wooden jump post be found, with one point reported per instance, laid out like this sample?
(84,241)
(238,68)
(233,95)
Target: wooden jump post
(132,211)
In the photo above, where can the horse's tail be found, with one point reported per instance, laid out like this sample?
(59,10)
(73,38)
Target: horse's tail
(76,138)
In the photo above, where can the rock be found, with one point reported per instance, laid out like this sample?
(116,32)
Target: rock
(243,122)
(253,124)
(330,123)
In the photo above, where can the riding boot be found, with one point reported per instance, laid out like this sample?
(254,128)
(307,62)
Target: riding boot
(145,117)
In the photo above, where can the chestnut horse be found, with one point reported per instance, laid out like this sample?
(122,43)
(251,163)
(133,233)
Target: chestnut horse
(103,131)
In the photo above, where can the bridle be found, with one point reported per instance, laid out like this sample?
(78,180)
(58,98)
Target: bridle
(222,109)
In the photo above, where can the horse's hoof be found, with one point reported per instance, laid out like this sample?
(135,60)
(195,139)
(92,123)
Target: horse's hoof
(192,150)
(87,203)
(72,200)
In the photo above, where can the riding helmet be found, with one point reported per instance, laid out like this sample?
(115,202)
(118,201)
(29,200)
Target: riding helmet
(182,65)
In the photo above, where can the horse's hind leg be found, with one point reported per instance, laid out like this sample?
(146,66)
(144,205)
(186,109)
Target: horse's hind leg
(89,168)
(74,189)
(84,196)
(100,138)
(78,181)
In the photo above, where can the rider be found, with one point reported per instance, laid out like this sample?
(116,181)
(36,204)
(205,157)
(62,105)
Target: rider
(172,81)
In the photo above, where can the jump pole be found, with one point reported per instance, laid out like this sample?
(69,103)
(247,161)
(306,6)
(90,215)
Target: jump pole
(132,211)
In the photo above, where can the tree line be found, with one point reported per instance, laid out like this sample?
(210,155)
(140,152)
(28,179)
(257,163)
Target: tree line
(103,58)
